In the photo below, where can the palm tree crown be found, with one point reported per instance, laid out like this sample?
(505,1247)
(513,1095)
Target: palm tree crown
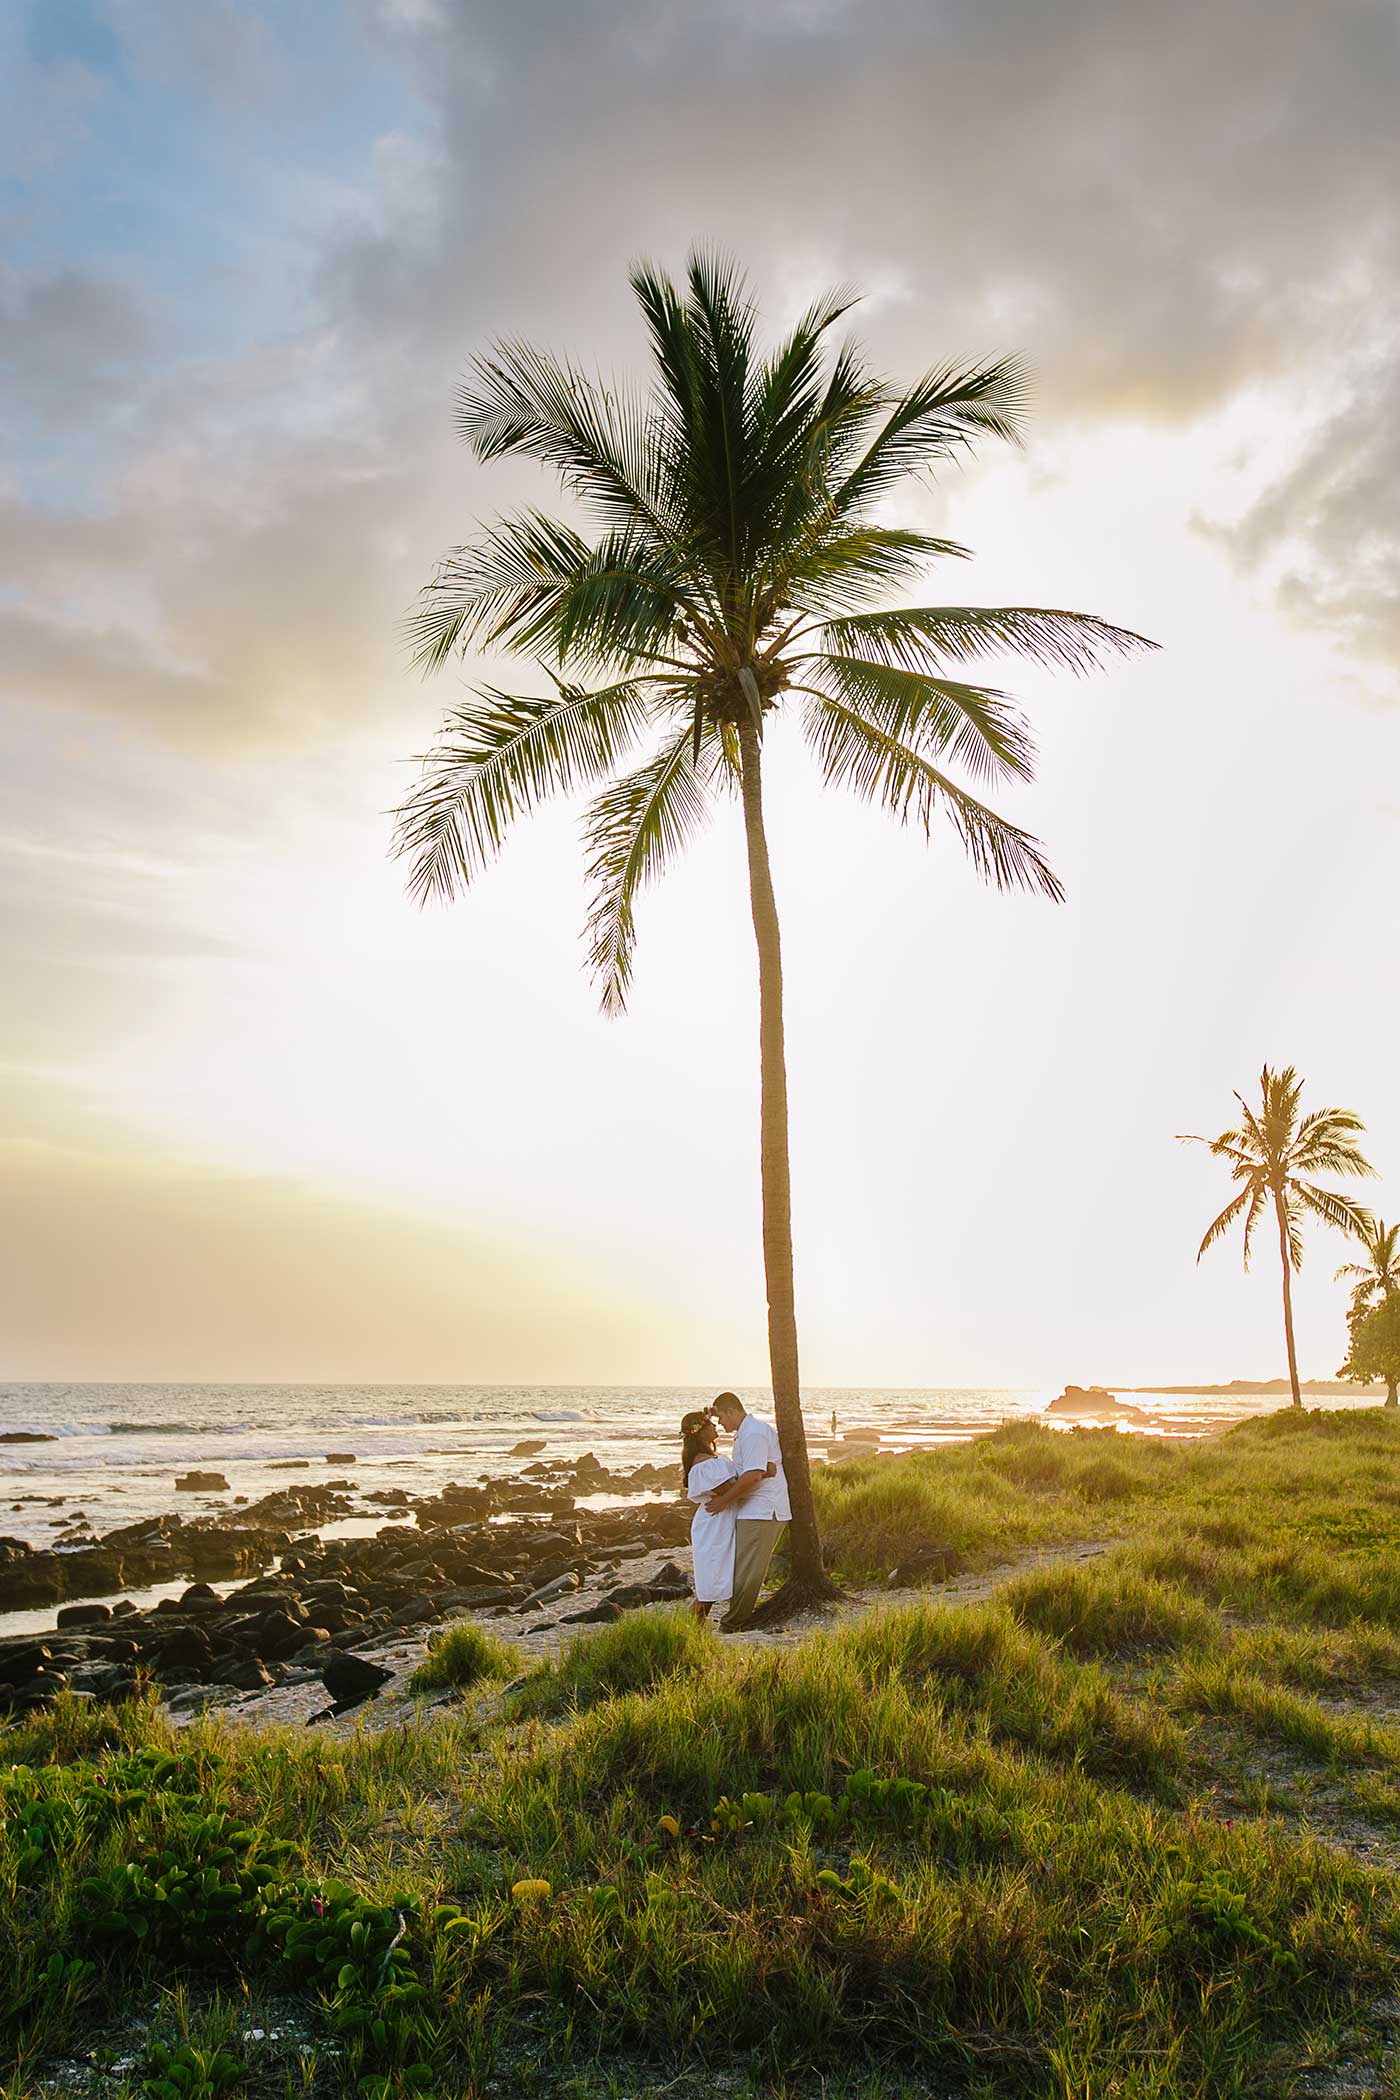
(1271,1154)
(1378,1277)
(732,561)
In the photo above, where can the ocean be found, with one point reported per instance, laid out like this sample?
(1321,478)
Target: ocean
(114,1450)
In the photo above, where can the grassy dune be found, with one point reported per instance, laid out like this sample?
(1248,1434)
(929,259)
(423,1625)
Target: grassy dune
(1130,1827)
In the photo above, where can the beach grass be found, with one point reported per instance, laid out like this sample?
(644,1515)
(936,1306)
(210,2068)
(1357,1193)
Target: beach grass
(464,1655)
(1127,1828)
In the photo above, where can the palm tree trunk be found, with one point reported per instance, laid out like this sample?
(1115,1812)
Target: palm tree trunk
(807,1575)
(1287,1300)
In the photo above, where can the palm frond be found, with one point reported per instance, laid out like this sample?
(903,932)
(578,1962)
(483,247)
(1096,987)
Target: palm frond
(1325,1143)
(1336,1210)
(856,753)
(830,568)
(1258,1198)
(1220,1226)
(632,830)
(530,582)
(604,443)
(916,635)
(498,757)
(975,725)
(943,415)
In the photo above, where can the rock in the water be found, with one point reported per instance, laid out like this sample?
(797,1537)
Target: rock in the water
(84,1614)
(199,1483)
(527,1447)
(1095,1404)
(34,1436)
(340,1458)
(198,1597)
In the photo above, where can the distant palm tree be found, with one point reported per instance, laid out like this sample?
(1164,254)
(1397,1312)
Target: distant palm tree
(1376,1280)
(1379,1275)
(1269,1154)
(735,550)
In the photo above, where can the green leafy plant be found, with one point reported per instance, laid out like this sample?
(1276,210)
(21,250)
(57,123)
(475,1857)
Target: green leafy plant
(187,2073)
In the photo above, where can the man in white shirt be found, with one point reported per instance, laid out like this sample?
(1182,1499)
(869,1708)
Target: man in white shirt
(761,1496)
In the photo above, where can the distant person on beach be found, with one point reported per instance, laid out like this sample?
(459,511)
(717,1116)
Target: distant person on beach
(757,1493)
(703,1471)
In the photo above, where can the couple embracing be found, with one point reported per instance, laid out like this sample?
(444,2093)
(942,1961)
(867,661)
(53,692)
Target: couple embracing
(742,1507)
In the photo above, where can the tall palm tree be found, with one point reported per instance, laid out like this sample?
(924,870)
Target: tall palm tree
(1376,1281)
(734,551)
(1269,1155)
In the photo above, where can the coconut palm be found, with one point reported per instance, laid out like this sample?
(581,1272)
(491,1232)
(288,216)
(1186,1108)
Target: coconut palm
(1270,1154)
(1376,1281)
(732,546)
(1379,1275)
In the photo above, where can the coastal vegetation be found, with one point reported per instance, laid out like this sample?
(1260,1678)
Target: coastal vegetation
(739,548)
(1126,1822)
(1273,1155)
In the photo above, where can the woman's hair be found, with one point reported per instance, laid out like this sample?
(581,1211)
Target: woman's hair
(697,1430)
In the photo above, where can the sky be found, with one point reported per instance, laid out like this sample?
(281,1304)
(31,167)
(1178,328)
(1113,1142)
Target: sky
(261,1117)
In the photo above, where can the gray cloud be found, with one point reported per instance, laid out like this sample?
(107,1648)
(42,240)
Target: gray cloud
(1162,207)
(70,342)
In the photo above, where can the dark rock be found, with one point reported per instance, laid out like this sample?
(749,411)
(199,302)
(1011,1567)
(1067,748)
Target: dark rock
(123,1609)
(38,1689)
(199,1483)
(929,1564)
(84,1614)
(18,1663)
(276,1635)
(250,1675)
(26,1436)
(528,1446)
(352,1678)
(549,1590)
(199,1597)
(183,1648)
(340,1458)
(598,1614)
(105,1680)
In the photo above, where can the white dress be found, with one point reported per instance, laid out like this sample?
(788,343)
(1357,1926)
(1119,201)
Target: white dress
(711,1535)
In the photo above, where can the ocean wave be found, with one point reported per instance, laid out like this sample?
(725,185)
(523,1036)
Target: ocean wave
(186,1428)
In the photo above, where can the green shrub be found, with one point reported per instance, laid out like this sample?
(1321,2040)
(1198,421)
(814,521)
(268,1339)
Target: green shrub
(464,1655)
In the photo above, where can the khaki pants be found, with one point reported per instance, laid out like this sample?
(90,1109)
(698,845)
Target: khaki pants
(755,1543)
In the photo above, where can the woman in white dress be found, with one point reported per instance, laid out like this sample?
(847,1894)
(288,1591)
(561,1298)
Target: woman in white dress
(711,1531)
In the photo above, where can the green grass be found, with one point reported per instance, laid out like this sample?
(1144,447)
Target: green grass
(464,1655)
(1075,1842)
(631,1655)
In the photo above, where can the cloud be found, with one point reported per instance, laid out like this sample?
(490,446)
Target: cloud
(70,342)
(1167,210)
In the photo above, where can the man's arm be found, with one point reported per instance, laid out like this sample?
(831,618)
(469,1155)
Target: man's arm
(739,1490)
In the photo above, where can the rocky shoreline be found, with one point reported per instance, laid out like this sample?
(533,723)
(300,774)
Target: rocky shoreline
(314,1608)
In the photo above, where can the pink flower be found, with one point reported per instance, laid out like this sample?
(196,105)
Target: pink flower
(318,1906)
